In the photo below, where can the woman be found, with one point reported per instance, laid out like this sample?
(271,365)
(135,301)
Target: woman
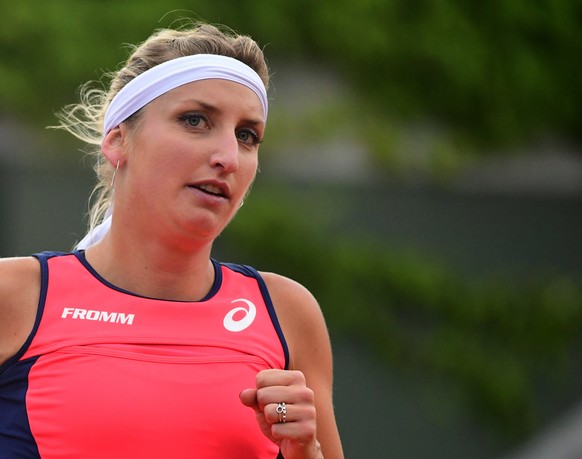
(139,344)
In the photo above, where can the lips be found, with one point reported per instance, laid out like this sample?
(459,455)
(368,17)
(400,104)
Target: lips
(213,189)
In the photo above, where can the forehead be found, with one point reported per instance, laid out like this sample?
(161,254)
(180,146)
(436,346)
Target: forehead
(222,95)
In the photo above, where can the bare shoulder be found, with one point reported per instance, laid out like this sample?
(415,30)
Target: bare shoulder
(18,273)
(309,346)
(19,293)
(289,290)
(300,317)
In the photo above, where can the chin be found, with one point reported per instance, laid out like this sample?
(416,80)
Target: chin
(203,228)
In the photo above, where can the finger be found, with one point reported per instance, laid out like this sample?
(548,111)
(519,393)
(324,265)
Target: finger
(298,431)
(248,397)
(277,413)
(267,378)
(291,413)
(297,395)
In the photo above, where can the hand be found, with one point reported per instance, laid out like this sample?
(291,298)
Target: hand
(297,435)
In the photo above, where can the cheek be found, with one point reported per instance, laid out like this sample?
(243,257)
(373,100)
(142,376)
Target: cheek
(149,170)
(165,157)
(249,170)
(251,162)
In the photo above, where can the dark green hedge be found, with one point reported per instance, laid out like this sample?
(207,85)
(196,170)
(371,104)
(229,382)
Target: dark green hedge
(494,72)
(498,71)
(499,342)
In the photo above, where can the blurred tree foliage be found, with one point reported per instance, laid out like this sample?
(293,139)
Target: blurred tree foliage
(508,348)
(494,72)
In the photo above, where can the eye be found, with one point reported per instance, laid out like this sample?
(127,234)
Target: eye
(248,136)
(193,119)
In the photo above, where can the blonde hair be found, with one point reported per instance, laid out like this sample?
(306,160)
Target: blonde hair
(85,119)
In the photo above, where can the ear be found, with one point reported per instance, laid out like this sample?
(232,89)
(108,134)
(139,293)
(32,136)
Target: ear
(114,145)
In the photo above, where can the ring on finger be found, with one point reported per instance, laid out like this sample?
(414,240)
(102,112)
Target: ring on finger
(282,412)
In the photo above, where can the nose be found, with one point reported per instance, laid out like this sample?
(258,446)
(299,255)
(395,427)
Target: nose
(225,154)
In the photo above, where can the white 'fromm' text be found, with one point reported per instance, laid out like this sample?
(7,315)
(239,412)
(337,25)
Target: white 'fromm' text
(99,316)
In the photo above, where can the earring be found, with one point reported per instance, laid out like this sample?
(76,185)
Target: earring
(241,204)
(114,174)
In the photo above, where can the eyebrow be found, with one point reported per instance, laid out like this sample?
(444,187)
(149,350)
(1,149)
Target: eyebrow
(214,109)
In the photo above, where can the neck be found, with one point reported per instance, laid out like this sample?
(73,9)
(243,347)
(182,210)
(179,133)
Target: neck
(154,270)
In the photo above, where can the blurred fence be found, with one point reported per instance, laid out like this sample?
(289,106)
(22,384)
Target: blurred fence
(42,208)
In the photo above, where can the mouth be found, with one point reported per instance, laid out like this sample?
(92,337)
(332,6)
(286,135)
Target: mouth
(210,189)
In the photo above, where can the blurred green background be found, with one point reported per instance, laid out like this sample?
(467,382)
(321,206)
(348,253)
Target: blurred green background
(421,174)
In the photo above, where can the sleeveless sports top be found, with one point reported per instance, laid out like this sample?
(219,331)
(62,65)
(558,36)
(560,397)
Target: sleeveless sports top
(110,374)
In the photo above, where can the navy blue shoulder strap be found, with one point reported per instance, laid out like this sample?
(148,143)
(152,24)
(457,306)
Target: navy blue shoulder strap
(42,259)
(249,271)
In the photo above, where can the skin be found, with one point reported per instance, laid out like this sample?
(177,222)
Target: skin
(202,133)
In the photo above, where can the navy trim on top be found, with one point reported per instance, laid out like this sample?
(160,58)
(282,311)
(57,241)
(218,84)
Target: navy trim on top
(246,270)
(249,271)
(42,259)
(16,438)
(80,254)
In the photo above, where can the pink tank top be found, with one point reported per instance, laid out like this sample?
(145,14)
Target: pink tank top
(116,375)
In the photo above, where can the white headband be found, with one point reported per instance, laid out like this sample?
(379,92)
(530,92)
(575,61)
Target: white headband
(162,78)
(173,73)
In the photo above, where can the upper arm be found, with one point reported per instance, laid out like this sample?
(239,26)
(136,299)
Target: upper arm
(310,352)
(19,294)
